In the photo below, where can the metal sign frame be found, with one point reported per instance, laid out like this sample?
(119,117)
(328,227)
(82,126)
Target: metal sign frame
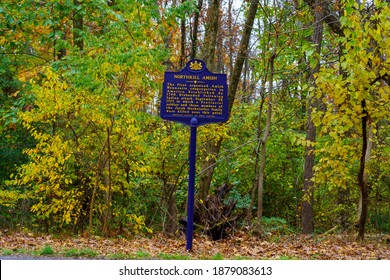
(194,96)
(195,92)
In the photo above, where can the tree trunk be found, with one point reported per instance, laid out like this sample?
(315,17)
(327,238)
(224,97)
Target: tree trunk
(99,171)
(212,148)
(183,31)
(256,150)
(365,156)
(308,185)
(77,26)
(242,53)
(211,35)
(330,16)
(256,153)
(362,177)
(108,194)
(168,198)
(266,131)
(230,30)
(365,175)
(60,53)
(169,207)
(194,45)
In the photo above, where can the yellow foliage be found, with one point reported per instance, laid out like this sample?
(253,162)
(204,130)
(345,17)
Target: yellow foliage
(340,124)
(137,224)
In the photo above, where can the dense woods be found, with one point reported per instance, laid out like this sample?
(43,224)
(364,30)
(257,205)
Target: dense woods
(306,148)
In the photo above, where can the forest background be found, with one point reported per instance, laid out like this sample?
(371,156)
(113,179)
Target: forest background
(306,148)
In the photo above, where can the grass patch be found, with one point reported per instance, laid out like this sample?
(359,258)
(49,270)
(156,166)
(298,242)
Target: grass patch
(7,252)
(173,257)
(287,258)
(47,250)
(23,251)
(315,257)
(143,255)
(79,253)
(241,258)
(119,256)
(217,256)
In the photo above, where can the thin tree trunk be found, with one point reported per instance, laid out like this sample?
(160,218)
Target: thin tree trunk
(266,131)
(210,40)
(170,208)
(245,82)
(62,51)
(208,157)
(242,53)
(183,31)
(365,175)
(308,185)
(194,46)
(168,199)
(367,145)
(212,148)
(231,37)
(362,177)
(99,172)
(107,212)
(78,23)
(256,153)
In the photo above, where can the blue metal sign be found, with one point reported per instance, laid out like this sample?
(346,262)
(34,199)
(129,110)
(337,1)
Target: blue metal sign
(194,96)
(194,92)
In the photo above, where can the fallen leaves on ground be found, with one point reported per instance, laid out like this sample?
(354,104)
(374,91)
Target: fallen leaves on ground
(241,245)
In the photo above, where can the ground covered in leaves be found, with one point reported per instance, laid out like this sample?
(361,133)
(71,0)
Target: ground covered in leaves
(239,246)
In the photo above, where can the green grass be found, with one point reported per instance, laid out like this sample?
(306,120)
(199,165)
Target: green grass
(87,253)
(218,256)
(240,258)
(6,252)
(315,257)
(79,253)
(119,256)
(143,255)
(46,251)
(287,258)
(174,257)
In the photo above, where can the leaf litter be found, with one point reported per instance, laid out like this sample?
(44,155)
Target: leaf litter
(240,245)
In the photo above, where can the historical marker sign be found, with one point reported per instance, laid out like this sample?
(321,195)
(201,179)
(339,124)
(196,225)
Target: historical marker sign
(194,92)
(194,96)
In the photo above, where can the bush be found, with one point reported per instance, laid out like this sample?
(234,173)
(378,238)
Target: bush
(381,221)
(275,225)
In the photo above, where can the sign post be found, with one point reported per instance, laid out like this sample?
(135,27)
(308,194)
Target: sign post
(191,184)
(194,96)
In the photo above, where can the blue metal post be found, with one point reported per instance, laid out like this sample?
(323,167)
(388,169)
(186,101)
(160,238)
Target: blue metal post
(191,185)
